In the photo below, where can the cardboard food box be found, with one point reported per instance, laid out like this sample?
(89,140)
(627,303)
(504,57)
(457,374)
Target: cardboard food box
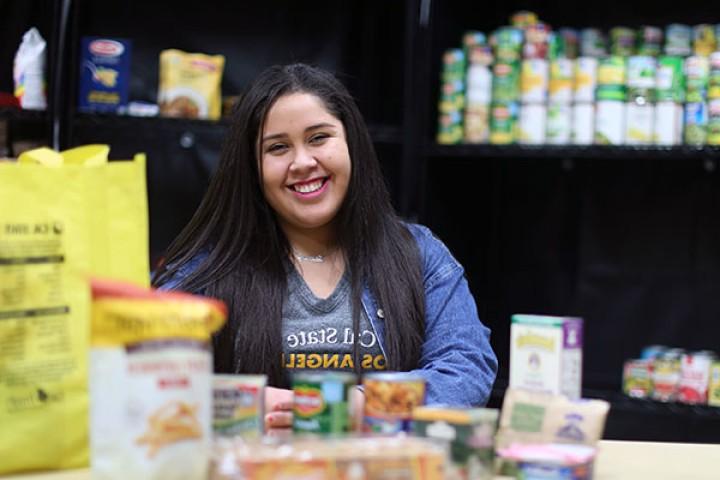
(104,75)
(546,354)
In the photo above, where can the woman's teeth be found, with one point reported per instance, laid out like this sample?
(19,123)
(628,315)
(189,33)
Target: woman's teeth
(308,187)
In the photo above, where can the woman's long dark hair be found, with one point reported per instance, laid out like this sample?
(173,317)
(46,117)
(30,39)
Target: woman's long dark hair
(246,250)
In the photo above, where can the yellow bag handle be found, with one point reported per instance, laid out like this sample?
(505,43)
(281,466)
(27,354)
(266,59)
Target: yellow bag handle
(88,155)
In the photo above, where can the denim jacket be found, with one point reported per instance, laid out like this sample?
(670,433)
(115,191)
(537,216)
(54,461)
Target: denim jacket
(457,361)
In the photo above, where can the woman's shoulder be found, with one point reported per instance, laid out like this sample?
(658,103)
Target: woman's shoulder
(436,257)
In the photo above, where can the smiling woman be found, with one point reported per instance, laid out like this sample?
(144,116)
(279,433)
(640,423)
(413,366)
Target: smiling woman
(298,236)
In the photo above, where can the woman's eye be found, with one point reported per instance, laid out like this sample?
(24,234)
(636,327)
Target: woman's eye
(276,148)
(318,138)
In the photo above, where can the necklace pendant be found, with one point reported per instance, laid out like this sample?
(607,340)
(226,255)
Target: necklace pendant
(310,258)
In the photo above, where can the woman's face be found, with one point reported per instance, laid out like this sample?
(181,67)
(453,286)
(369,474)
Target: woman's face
(305,162)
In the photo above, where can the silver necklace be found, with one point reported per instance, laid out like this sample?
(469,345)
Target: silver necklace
(309,258)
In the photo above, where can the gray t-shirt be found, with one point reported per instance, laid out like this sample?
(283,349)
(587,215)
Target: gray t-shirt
(318,332)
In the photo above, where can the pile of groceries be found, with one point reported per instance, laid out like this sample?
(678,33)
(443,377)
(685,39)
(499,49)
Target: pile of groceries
(528,84)
(673,375)
(150,407)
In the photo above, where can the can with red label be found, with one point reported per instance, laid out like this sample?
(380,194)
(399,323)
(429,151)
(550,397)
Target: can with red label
(321,402)
(390,398)
(695,377)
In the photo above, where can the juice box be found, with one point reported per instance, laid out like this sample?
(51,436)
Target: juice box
(104,74)
(546,354)
(694,377)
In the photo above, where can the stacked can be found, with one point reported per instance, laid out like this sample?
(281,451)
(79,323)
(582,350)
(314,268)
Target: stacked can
(678,40)
(452,98)
(650,41)
(533,95)
(611,94)
(695,377)
(697,72)
(559,110)
(583,109)
(640,109)
(523,19)
(507,45)
(670,95)
(592,43)
(570,42)
(622,41)
(714,388)
(704,41)
(666,375)
(537,40)
(713,136)
(478,88)
(390,398)
(321,402)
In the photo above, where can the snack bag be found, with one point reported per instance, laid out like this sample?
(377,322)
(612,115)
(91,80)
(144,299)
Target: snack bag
(151,382)
(190,85)
(29,71)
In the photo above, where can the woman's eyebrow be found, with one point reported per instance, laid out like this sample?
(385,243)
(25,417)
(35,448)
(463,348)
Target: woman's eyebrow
(308,129)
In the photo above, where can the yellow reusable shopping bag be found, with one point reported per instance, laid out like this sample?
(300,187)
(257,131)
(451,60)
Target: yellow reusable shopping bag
(61,221)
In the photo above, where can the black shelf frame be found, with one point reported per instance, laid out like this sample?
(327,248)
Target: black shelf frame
(608,152)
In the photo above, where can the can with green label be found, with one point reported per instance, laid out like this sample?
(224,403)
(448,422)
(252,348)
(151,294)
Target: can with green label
(611,78)
(714,79)
(592,43)
(696,123)
(670,80)
(321,402)
(506,82)
(507,43)
(713,137)
(697,73)
(622,41)
(678,40)
(503,123)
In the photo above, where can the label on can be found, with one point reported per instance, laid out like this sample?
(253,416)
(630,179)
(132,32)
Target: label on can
(531,129)
(703,39)
(666,378)
(714,389)
(479,85)
(697,73)
(670,80)
(477,123)
(450,128)
(696,123)
(559,121)
(639,123)
(238,404)
(637,378)
(650,41)
(534,76)
(506,82)
(507,43)
(668,123)
(694,378)
(583,125)
(585,79)
(609,122)
(622,41)
(321,402)
(713,135)
(592,43)
(390,398)
(714,78)
(678,40)
(641,73)
(503,123)
(561,80)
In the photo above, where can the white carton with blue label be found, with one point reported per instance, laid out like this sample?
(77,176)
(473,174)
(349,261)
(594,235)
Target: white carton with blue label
(104,74)
(546,354)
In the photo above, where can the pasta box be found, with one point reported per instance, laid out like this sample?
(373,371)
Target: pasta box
(104,74)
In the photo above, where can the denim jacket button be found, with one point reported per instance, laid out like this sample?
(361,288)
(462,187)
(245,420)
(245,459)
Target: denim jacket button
(380,313)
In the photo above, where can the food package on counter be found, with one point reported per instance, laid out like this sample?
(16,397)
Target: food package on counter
(238,404)
(104,74)
(301,458)
(150,382)
(190,85)
(548,461)
(470,433)
(534,417)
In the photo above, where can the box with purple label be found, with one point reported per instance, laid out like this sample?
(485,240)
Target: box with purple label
(546,354)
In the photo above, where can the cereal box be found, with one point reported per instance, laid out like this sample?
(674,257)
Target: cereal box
(546,354)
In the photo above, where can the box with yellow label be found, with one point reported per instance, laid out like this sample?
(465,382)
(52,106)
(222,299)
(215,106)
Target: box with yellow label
(546,354)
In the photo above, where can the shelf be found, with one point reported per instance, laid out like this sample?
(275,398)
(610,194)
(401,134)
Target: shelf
(9,113)
(683,152)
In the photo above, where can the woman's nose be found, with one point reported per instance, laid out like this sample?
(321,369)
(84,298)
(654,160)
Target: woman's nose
(303,159)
